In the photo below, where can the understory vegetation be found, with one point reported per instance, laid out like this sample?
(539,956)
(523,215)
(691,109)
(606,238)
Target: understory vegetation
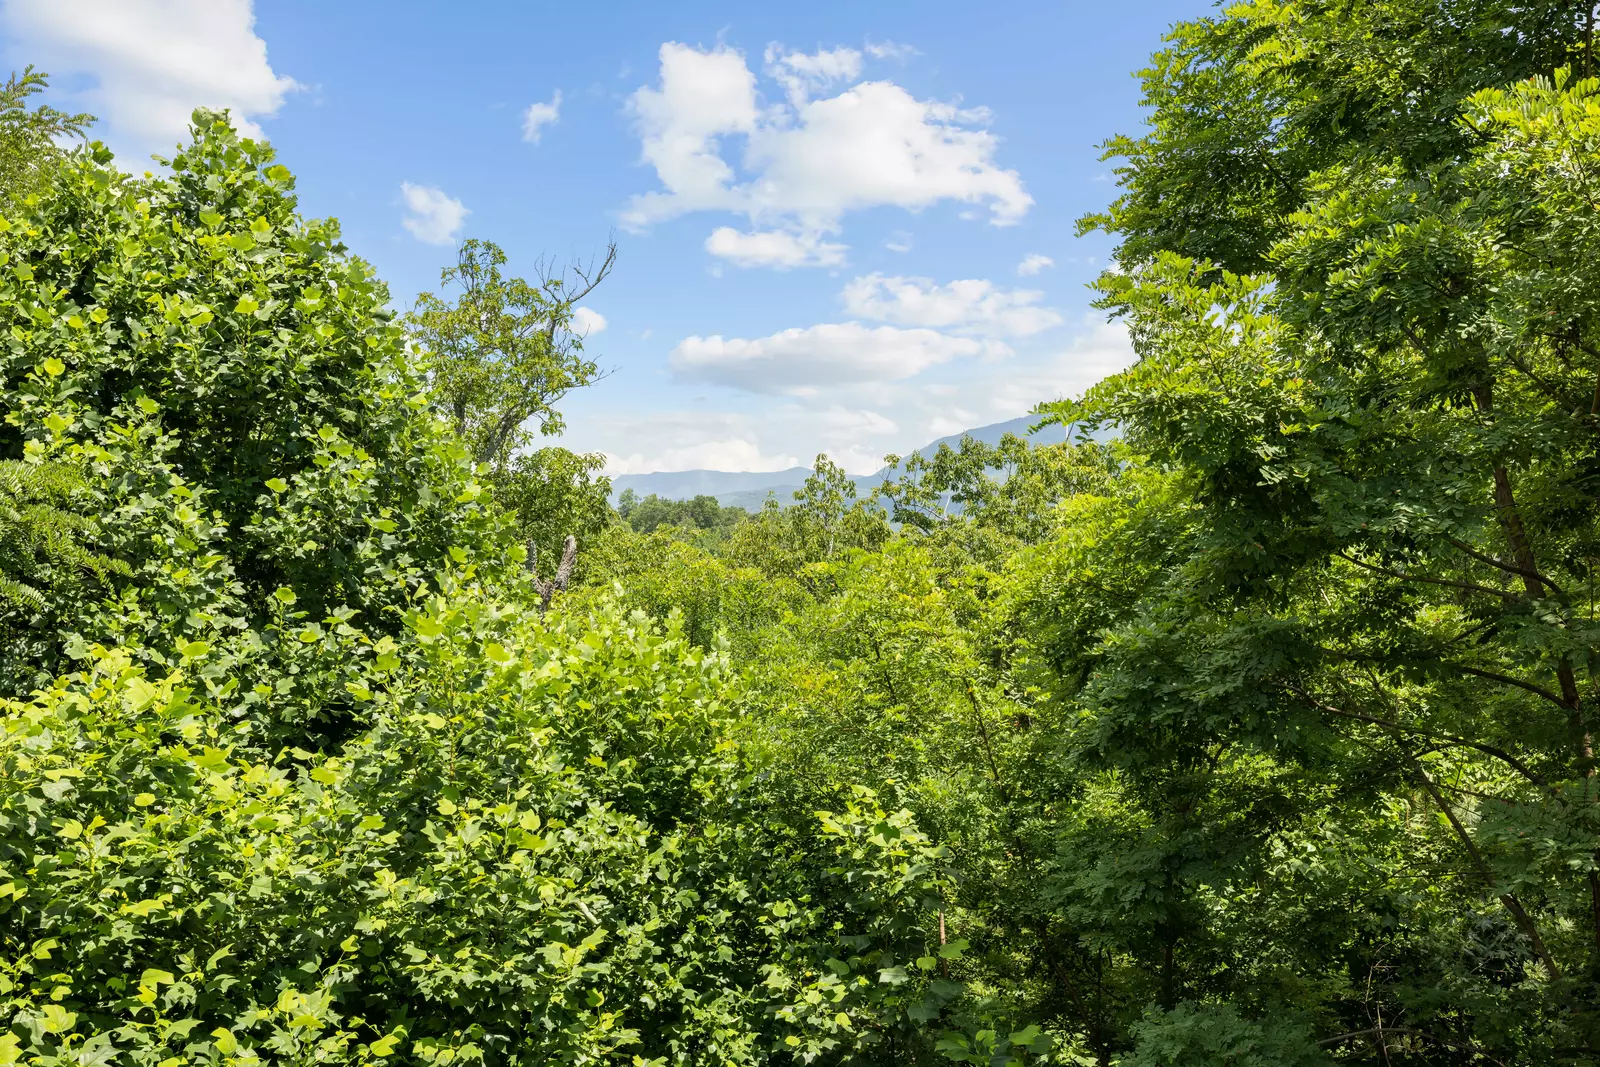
(1251,727)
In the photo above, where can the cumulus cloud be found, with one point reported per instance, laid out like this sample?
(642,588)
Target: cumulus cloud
(1033,263)
(431,216)
(971,306)
(703,96)
(538,116)
(787,435)
(1100,349)
(721,454)
(690,440)
(801,74)
(150,63)
(800,361)
(774,248)
(586,322)
(808,160)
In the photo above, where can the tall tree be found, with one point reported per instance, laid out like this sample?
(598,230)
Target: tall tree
(506,350)
(1368,358)
(30,136)
(242,407)
(502,355)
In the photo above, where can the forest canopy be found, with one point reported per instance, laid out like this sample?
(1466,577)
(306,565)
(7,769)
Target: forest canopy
(1251,727)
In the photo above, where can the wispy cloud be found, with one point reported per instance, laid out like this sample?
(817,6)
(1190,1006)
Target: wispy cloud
(970,306)
(803,360)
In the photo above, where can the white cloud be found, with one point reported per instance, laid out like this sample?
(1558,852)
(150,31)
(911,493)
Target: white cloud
(431,216)
(774,248)
(900,242)
(855,422)
(851,423)
(721,454)
(891,50)
(586,322)
(801,74)
(538,116)
(970,306)
(689,440)
(1033,263)
(703,96)
(741,440)
(151,62)
(950,423)
(1098,351)
(807,162)
(800,361)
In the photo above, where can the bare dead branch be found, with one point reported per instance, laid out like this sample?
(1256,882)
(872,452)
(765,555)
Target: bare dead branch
(547,588)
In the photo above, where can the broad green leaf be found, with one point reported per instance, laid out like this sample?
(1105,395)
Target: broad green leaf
(57,1020)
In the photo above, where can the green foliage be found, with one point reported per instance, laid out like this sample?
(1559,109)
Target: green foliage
(550,493)
(245,413)
(1191,1034)
(698,513)
(1361,645)
(1262,735)
(1251,102)
(49,564)
(41,545)
(664,572)
(500,357)
(527,857)
(29,153)
(1009,488)
(318,778)
(824,522)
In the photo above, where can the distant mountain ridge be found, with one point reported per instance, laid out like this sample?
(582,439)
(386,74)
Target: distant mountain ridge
(750,489)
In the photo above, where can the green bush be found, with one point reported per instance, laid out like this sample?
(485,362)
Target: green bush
(544,848)
(253,426)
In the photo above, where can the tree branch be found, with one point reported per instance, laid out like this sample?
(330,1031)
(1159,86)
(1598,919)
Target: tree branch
(1507,567)
(1471,587)
(1380,1031)
(1537,690)
(1489,750)
(1518,913)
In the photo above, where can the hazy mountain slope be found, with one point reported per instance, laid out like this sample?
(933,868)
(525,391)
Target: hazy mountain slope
(749,489)
(682,485)
(989,435)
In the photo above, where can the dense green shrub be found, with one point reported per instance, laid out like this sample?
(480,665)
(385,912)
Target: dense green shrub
(254,429)
(544,848)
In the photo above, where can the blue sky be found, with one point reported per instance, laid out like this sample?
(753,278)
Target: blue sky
(842,227)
